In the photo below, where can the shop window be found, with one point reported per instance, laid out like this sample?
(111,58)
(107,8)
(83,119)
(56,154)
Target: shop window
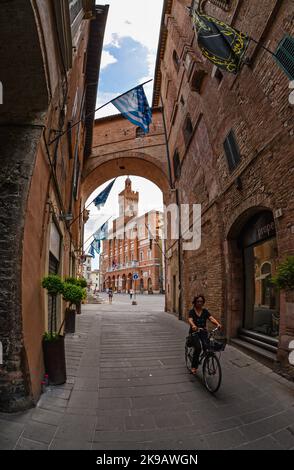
(232,151)
(260,260)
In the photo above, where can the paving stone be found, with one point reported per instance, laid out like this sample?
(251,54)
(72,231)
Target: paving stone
(39,432)
(64,444)
(83,399)
(285,437)
(27,444)
(47,417)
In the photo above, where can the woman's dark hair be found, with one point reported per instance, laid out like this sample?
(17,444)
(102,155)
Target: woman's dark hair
(198,297)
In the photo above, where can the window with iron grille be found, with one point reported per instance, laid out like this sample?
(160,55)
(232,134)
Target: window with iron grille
(232,151)
(177,165)
(284,56)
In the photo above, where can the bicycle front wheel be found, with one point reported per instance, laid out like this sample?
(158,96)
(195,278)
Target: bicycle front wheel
(188,357)
(212,373)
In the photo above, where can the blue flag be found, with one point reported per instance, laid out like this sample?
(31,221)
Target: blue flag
(102,232)
(134,106)
(96,244)
(92,250)
(101,199)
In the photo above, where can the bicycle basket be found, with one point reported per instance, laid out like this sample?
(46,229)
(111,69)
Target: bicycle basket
(218,344)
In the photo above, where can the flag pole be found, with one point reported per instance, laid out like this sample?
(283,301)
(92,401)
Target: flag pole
(95,110)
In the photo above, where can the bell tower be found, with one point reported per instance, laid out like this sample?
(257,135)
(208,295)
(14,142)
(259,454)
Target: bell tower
(128,201)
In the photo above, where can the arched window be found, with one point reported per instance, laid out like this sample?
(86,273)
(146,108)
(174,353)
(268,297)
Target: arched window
(176,60)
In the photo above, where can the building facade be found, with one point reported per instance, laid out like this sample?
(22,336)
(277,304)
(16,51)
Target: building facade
(231,145)
(50,58)
(134,246)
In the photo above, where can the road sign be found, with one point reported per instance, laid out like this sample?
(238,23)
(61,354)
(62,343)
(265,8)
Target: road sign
(135,276)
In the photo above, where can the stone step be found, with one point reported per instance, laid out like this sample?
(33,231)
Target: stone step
(252,348)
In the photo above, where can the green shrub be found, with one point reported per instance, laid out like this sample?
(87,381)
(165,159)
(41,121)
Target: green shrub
(77,281)
(284,278)
(72,293)
(53,284)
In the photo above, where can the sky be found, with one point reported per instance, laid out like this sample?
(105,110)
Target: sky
(128,59)
(130,49)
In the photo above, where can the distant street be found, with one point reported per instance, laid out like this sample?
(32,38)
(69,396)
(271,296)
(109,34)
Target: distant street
(128,388)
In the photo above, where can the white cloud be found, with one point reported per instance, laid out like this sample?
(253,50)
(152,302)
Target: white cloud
(107,59)
(138,19)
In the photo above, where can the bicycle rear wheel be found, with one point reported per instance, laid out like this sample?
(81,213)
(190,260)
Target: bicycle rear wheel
(188,357)
(212,373)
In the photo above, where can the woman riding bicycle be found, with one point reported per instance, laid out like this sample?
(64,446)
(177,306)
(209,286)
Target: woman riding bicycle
(198,317)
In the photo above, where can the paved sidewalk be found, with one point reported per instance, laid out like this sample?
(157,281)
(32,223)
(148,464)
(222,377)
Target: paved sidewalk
(128,388)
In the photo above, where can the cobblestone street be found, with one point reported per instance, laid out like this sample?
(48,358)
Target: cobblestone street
(128,388)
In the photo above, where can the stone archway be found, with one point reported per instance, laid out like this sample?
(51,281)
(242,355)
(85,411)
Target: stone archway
(118,152)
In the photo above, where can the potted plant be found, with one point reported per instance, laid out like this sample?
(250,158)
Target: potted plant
(73,294)
(78,282)
(53,342)
(284,278)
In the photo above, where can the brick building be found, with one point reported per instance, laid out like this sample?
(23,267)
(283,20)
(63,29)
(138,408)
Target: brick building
(231,145)
(133,246)
(50,57)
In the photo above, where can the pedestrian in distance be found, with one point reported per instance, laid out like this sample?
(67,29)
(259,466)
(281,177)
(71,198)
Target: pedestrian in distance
(131,293)
(110,295)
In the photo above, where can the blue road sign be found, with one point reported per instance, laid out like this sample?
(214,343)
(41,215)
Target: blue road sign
(135,276)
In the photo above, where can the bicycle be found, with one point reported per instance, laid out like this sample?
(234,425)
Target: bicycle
(211,368)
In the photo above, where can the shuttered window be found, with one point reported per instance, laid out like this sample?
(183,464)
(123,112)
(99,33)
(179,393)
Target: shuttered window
(232,151)
(284,56)
(52,306)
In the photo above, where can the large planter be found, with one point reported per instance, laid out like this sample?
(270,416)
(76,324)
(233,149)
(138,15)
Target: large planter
(70,321)
(54,360)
